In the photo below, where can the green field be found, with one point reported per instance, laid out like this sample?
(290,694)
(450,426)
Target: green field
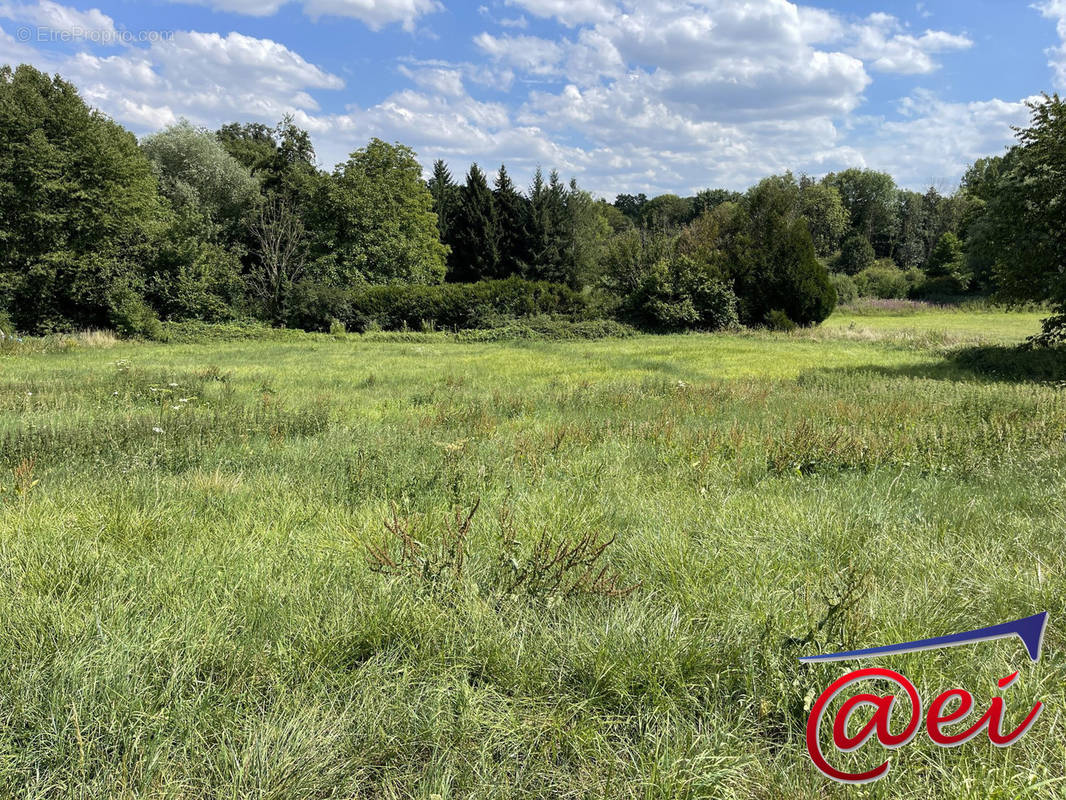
(954,325)
(192,610)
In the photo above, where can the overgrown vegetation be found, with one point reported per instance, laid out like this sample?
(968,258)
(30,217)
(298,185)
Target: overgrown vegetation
(193,605)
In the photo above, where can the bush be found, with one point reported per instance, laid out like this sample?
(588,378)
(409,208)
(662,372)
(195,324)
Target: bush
(198,332)
(134,318)
(679,293)
(7,327)
(459,306)
(886,281)
(778,320)
(799,285)
(846,289)
(856,255)
(550,329)
(943,287)
(315,306)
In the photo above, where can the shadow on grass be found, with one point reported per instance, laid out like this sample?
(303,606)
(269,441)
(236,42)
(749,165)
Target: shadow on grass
(1003,363)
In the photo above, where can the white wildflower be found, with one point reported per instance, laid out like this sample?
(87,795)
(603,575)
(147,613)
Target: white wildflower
(157,430)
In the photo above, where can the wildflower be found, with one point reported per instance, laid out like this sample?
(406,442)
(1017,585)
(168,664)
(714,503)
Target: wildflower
(114,394)
(29,394)
(173,385)
(157,430)
(176,408)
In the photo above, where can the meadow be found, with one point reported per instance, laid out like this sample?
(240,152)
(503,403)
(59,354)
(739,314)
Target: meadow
(413,567)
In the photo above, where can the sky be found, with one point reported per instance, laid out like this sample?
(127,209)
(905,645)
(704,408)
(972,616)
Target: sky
(652,96)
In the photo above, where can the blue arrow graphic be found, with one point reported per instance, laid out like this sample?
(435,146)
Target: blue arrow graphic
(1029,629)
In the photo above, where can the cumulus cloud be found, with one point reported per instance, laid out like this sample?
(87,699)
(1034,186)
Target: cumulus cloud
(376,14)
(569,12)
(1056,10)
(530,54)
(671,95)
(204,76)
(882,41)
(58,18)
(937,140)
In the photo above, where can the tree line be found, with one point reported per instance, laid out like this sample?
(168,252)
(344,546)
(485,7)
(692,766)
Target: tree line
(101,230)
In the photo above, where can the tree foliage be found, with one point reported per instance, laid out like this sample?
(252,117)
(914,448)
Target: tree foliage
(1026,214)
(80,203)
(869,197)
(856,254)
(373,221)
(97,230)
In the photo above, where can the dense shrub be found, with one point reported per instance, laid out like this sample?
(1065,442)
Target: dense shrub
(680,293)
(846,288)
(943,287)
(551,329)
(856,255)
(773,260)
(778,320)
(132,317)
(887,281)
(458,305)
(314,306)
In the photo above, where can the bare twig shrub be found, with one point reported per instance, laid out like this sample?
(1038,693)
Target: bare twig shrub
(551,568)
(280,245)
(23,475)
(558,567)
(436,563)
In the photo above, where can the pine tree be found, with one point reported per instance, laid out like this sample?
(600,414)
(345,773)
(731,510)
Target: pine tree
(513,223)
(548,228)
(445,197)
(586,233)
(473,239)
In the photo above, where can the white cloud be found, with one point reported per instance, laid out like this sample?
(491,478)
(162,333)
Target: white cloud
(569,12)
(376,14)
(57,18)
(937,140)
(884,44)
(648,95)
(1056,10)
(447,82)
(206,77)
(530,54)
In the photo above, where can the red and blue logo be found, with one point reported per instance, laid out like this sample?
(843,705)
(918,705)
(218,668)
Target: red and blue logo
(944,717)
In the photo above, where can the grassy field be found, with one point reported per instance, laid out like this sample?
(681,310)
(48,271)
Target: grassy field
(191,608)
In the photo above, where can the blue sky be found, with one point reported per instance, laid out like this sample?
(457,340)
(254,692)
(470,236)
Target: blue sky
(652,96)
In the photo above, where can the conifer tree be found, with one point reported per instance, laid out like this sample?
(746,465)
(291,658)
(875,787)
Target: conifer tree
(474,248)
(548,228)
(513,222)
(445,197)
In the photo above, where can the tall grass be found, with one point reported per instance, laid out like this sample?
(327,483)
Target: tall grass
(193,607)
